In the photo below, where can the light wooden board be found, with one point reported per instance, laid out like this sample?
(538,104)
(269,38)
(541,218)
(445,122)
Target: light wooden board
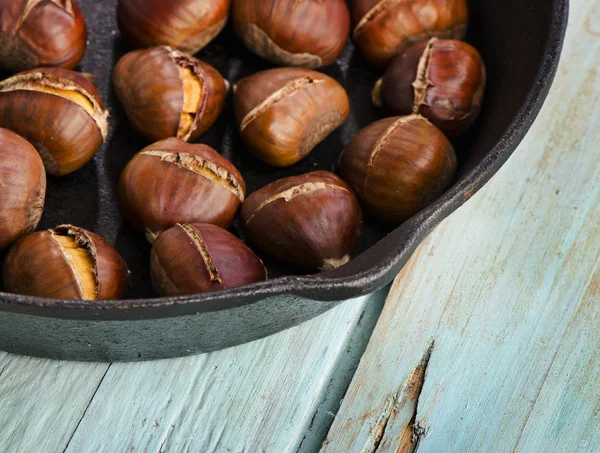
(263,396)
(490,338)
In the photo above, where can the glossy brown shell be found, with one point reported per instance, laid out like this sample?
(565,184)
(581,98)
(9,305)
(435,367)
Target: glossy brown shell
(36,266)
(65,135)
(149,87)
(188,25)
(397,166)
(159,190)
(42,33)
(293,32)
(448,77)
(283,113)
(197,258)
(23,183)
(312,221)
(384,28)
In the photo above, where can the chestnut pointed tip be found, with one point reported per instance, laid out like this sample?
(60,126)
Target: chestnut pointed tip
(330,264)
(376,94)
(151,235)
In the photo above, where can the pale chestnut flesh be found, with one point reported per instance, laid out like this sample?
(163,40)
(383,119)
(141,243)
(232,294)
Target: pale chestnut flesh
(167,93)
(67,120)
(172,181)
(196,258)
(312,221)
(66,262)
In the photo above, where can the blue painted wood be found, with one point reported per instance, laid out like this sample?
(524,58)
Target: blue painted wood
(490,338)
(235,398)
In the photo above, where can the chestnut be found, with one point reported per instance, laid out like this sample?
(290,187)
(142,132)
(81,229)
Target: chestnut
(166,93)
(384,28)
(397,166)
(23,182)
(283,113)
(312,221)
(37,33)
(172,181)
(66,262)
(188,25)
(192,258)
(59,112)
(292,32)
(443,80)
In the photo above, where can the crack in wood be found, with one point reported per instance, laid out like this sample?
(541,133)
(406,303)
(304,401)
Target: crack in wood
(405,399)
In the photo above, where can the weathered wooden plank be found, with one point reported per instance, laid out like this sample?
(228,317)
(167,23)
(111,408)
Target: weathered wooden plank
(264,396)
(495,289)
(42,401)
(566,415)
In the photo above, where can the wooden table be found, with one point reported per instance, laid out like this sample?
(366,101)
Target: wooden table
(489,340)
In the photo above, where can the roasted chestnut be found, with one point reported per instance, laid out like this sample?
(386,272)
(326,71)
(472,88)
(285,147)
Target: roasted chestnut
(37,33)
(397,166)
(384,28)
(172,181)
(293,32)
(192,258)
(66,262)
(283,113)
(59,112)
(166,93)
(188,25)
(443,80)
(23,183)
(312,221)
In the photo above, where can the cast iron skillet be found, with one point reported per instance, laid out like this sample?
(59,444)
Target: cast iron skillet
(520,41)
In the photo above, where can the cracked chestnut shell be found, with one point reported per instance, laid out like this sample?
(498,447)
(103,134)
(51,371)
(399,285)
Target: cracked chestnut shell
(398,166)
(304,33)
(23,183)
(198,257)
(167,93)
(442,80)
(312,221)
(384,28)
(283,113)
(188,25)
(59,112)
(172,181)
(37,33)
(66,262)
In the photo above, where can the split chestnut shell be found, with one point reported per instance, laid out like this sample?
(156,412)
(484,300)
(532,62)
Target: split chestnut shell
(66,262)
(312,221)
(384,28)
(167,93)
(283,113)
(59,112)
(443,80)
(36,33)
(195,258)
(397,166)
(188,25)
(23,187)
(172,181)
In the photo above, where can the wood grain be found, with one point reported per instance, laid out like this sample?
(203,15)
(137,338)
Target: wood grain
(506,290)
(267,395)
